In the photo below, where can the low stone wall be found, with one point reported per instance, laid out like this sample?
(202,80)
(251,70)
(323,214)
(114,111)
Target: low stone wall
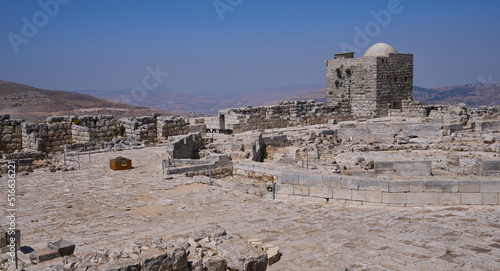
(417,191)
(185,146)
(93,128)
(84,132)
(285,114)
(385,132)
(487,125)
(143,128)
(403,168)
(217,169)
(10,134)
(169,126)
(409,109)
(47,137)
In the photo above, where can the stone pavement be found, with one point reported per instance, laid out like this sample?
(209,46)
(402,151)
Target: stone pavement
(97,208)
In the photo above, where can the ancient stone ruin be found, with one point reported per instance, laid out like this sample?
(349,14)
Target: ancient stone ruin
(371,144)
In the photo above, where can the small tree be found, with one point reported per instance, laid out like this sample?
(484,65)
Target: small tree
(348,72)
(120,130)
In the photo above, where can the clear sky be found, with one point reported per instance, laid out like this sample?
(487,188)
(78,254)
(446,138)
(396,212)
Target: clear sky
(233,45)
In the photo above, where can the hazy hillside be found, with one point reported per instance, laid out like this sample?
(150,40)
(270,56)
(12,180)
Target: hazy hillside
(33,104)
(209,103)
(473,95)
(203,103)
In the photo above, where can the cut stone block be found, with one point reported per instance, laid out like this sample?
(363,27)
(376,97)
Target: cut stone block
(490,186)
(290,178)
(358,195)
(310,180)
(398,198)
(319,191)
(374,185)
(349,183)
(416,186)
(301,190)
(46,254)
(284,189)
(332,181)
(343,194)
(399,186)
(440,186)
(490,198)
(449,199)
(471,198)
(63,247)
(374,196)
(423,198)
(465,186)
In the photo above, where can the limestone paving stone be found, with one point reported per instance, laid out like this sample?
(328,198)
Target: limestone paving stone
(114,209)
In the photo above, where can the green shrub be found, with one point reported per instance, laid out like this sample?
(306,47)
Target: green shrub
(339,72)
(120,130)
(348,72)
(77,121)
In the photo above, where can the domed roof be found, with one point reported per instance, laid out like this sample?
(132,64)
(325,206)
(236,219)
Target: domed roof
(380,49)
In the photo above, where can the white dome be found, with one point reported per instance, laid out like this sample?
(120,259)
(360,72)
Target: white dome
(380,49)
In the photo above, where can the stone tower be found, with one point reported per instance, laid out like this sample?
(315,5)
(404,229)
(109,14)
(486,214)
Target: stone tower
(370,85)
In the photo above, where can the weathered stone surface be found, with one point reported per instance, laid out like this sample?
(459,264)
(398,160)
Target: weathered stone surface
(63,247)
(241,256)
(181,147)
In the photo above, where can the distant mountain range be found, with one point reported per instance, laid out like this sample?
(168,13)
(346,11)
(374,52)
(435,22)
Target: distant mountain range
(473,95)
(34,104)
(203,103)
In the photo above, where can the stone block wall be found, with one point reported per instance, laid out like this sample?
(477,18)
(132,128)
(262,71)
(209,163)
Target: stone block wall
(394,82)
(142,128)
(10,134)
(170,126)
(80,133)
(409,108)
(403,168)
(47,137)
(493,125)
(369,87)
(285,114)
(295,184)
(355,91)
(93,128)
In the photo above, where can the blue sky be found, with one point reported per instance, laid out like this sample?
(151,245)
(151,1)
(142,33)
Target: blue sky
(232,45)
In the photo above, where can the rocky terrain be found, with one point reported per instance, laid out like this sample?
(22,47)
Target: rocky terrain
(294,186)
(113,215)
